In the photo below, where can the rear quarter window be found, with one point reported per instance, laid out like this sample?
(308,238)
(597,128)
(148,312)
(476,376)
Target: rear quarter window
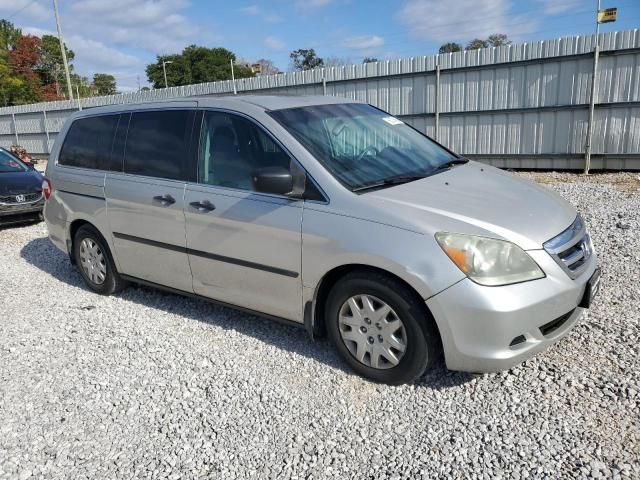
(88,143)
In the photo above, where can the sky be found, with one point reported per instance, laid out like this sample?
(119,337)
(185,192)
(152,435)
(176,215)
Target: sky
(122,36)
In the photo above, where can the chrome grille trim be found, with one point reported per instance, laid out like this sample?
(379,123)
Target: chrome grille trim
(571,249)
(33,197)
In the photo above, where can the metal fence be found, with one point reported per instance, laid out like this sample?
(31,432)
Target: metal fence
(520,106)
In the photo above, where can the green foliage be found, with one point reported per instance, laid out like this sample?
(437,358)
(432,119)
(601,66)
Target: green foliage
(196,65)
(51,66)
(9,35)
(104,84)
(450,47)
(31,69)
(476,44)
(498,40)
(494,40)
(305,59)
(11,85)
(370,60)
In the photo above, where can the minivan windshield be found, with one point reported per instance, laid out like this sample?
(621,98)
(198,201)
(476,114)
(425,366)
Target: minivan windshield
(363,147)
(9,163)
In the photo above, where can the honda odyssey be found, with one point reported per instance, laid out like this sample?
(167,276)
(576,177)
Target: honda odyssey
(326,213)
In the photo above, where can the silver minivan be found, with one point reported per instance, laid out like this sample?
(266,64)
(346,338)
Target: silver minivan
(327,213)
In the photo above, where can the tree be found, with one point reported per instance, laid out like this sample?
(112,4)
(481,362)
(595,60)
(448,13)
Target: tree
(305,59)
(476,44)
(336,62)
(494,40)
(24,60)
(498,40)
(104,84)
(196,65)
(11,86)
(450,47)
(9,35)
(370,60)
(51,68)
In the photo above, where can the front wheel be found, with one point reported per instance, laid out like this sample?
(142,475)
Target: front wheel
(381,328)
(94,260)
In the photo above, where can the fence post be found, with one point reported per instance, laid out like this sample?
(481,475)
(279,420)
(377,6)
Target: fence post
(324,86)
(15,128)
(46,131)
(592,101)
(437,99)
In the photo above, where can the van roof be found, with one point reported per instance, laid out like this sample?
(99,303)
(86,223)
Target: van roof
(239,102)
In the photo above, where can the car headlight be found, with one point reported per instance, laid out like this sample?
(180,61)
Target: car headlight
(488,261)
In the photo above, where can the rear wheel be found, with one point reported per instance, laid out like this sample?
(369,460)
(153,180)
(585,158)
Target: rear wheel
(94,261)
(381,328)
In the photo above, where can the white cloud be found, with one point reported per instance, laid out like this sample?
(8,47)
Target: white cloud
(554,7)
(461,20)
(274,43)
(251,10)
(96,57)
(156,26)
(25,9)
(273,18)
(307,5)
(364,42)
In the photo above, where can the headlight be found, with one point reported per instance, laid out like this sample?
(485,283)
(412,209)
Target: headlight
(487,261)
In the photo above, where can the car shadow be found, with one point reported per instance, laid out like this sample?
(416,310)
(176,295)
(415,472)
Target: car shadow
(42,254)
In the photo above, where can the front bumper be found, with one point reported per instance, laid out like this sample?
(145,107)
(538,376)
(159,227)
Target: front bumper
(20,213)
(488,329)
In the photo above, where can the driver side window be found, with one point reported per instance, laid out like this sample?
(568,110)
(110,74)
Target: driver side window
(232,148)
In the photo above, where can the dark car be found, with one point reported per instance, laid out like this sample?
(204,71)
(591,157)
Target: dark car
(20,191)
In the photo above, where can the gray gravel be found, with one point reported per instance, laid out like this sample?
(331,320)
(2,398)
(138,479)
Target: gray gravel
(152,385)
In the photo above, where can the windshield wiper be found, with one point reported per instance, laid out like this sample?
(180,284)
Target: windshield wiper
(451,163)
(387,182)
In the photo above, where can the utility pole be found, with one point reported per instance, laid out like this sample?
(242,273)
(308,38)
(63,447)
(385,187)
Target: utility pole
(64,53)
(78,97)
(233,79)
(164,70)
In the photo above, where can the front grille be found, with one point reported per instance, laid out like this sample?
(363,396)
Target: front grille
(571,249)
(21,198)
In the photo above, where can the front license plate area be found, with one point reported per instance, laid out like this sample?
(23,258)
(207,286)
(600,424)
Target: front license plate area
(591,290)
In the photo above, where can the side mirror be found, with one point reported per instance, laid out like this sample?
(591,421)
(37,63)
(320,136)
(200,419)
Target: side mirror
(276,180)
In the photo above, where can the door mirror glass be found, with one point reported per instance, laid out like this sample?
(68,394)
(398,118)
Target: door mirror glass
(275,180)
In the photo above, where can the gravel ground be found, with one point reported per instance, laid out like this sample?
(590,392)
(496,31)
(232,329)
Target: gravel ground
(151,385)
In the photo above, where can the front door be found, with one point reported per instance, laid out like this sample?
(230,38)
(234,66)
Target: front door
(145,204)
(244,247)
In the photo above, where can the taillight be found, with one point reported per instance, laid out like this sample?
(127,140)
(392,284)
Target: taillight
(47,188)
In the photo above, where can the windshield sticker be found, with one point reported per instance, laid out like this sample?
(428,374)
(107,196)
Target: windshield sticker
(392,120)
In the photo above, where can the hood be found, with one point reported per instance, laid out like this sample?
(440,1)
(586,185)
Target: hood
(14,183)
(478,199)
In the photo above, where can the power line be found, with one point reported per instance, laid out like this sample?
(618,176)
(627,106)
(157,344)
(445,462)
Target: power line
(21,9)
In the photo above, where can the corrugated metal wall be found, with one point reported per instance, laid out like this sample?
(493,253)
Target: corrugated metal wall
(520,106)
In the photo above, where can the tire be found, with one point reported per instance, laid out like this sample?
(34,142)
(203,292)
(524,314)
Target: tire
(418,332)
(104,278)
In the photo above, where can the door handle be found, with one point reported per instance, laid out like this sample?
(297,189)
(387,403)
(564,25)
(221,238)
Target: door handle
(164,199)
(204,206)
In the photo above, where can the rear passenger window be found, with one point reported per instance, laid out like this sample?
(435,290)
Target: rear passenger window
(157,143)
(88,143)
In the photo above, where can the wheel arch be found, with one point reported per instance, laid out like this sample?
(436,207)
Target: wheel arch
(74,226)
(315,311)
